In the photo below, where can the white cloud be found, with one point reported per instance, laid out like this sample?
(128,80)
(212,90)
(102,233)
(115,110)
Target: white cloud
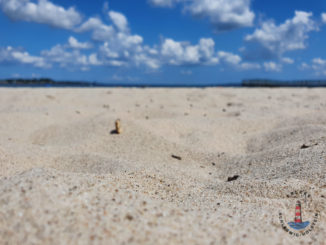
(123,49)
(272,66)
(66,59)
(249,66)
(128,51)
(100,31)
(144,59)
(236,62)
(117,35)
(93,60)
(103,32)
(10,55)
(318,65)
(43,12)
(116,77)
(287,60)
(304,66)
(207,48)
(129,41)
(323,17)
(170,48)
(223,14)
(319,61)
(119,20)
(229,58)
(108,52)
(182,53)
(163,3)
(74,43)
(272,41)
(90,24)
(120,47)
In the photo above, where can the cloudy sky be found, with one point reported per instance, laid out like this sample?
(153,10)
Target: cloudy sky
(163,41)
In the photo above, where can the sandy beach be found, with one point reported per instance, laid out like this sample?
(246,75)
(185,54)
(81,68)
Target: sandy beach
(191,166)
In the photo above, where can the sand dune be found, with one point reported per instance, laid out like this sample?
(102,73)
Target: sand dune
(66,179)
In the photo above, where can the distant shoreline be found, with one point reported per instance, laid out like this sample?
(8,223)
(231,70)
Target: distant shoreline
(49,83)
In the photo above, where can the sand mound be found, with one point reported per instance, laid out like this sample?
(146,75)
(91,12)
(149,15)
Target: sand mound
(93,164)
(240,157)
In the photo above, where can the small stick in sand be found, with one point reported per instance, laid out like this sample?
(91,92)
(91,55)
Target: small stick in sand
(176,157)
(118,129)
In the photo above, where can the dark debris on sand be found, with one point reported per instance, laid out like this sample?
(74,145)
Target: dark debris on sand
(235,177)
(176,157)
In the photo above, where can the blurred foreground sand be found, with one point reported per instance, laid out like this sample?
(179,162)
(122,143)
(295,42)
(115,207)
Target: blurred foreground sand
(65,179)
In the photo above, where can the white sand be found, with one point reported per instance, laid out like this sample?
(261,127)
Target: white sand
(65,179)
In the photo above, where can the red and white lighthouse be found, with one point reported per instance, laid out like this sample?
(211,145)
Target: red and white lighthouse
(298,216)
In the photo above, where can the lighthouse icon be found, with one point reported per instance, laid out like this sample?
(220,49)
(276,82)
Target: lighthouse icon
(298,224)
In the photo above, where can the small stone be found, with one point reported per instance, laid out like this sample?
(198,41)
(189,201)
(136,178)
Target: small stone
(129,217)
(304,146)
(235,177)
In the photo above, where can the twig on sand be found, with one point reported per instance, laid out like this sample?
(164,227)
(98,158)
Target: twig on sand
(176,157)
(304,146)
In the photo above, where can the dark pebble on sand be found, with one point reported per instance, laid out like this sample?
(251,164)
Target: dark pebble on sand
(235,177)
(129,217)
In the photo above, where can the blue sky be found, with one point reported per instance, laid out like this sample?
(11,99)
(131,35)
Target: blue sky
(163,41)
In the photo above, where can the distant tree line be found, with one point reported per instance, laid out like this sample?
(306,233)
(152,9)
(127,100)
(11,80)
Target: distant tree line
(43,82)
(280,83)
